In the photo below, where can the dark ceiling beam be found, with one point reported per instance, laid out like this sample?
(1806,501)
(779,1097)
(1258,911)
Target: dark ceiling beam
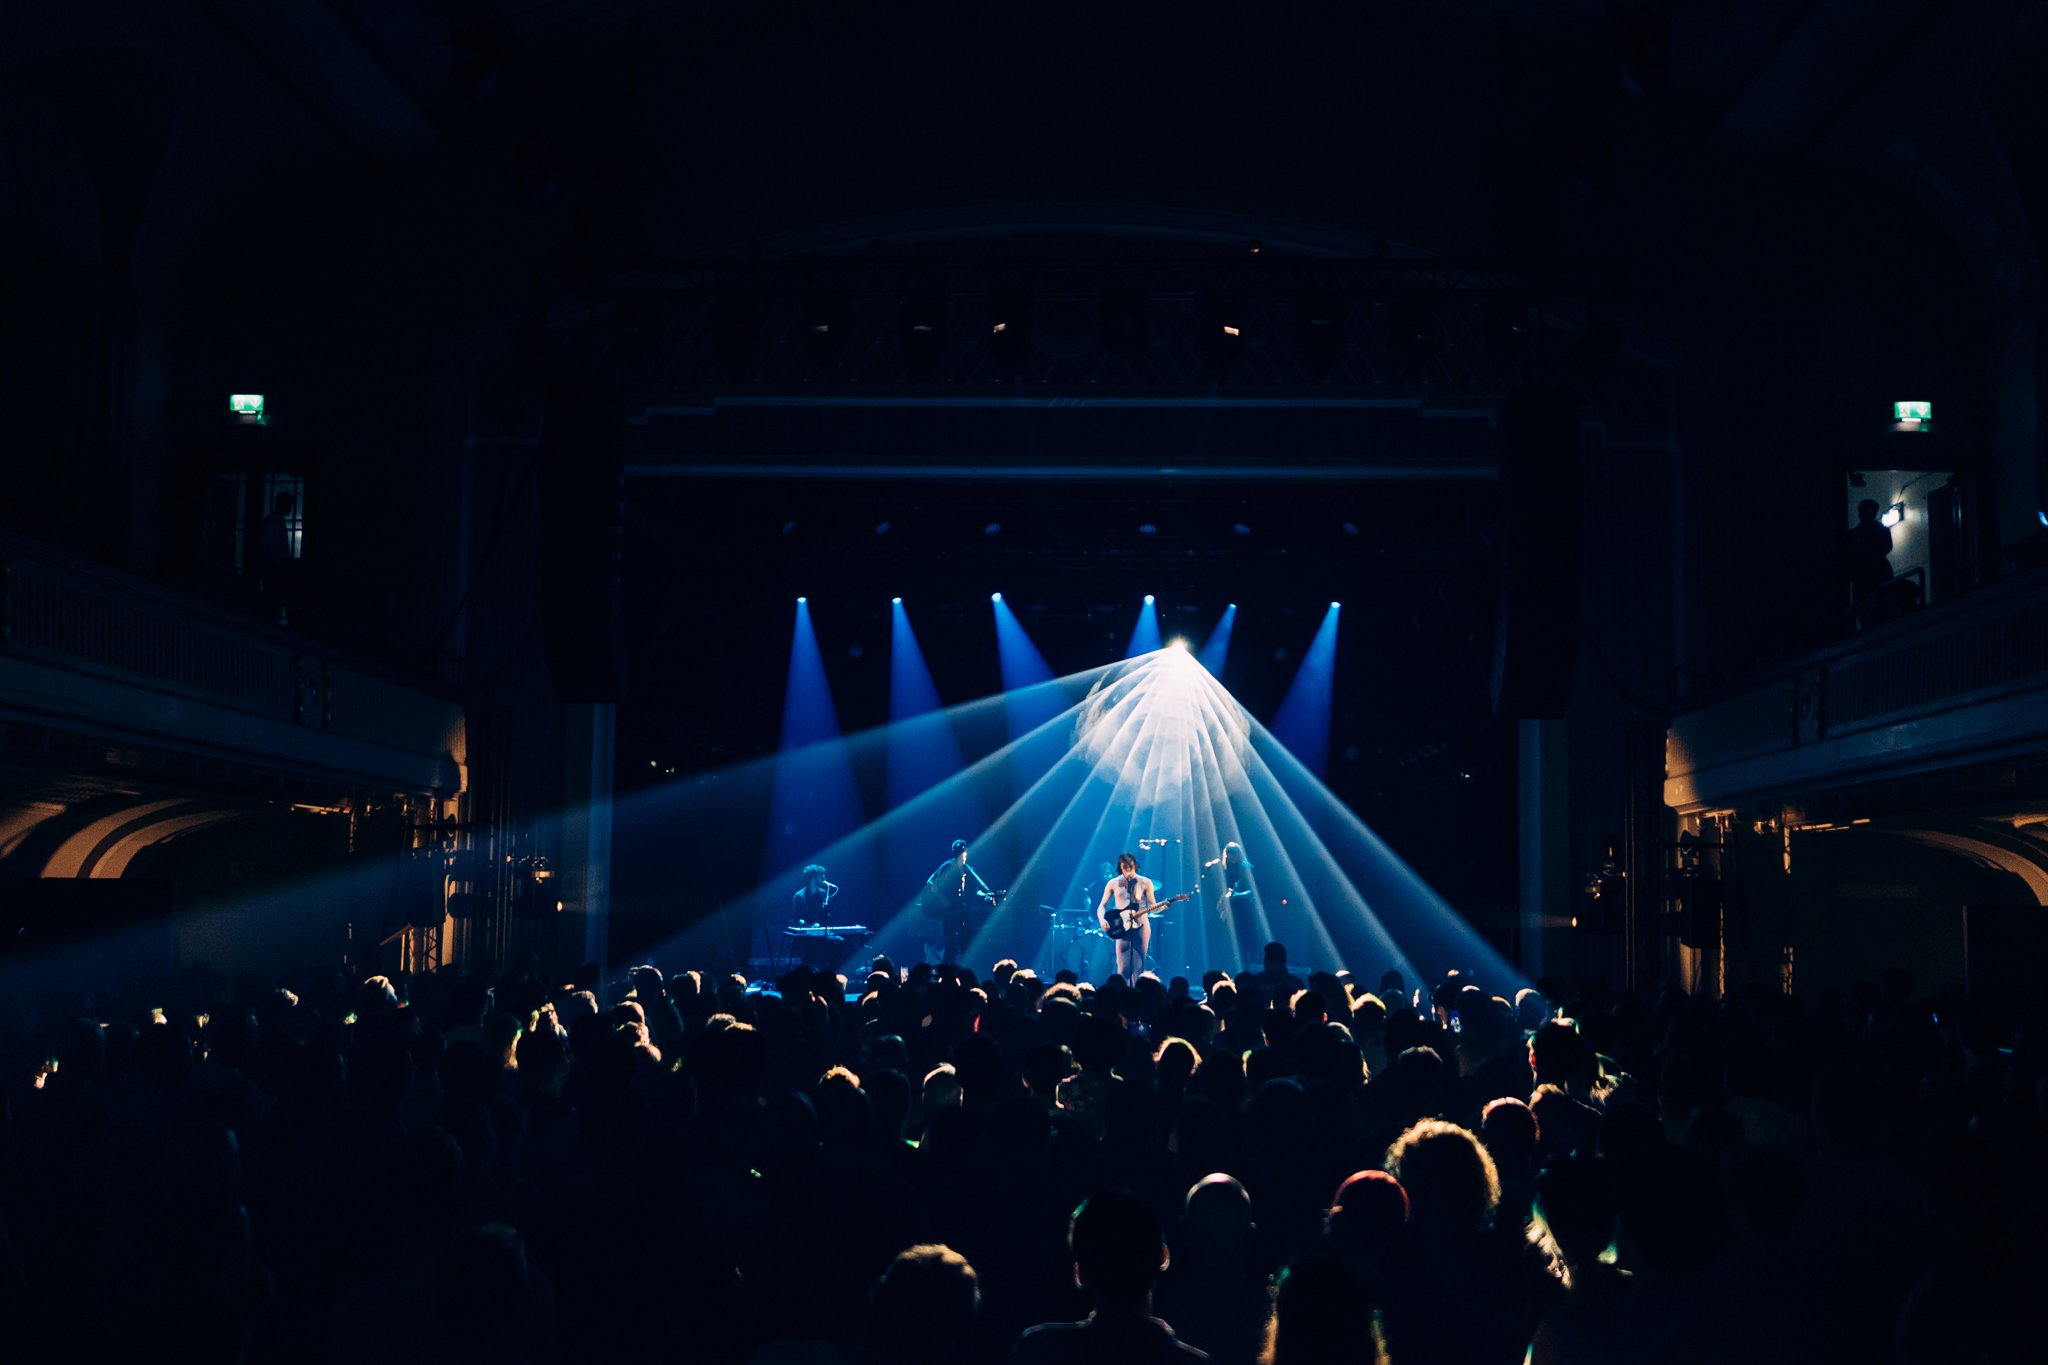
(982,471)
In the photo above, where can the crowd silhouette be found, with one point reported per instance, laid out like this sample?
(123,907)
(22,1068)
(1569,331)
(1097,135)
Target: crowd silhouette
(936,1164)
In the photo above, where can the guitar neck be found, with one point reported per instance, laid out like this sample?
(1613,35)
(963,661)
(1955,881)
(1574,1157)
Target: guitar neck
(1149,906)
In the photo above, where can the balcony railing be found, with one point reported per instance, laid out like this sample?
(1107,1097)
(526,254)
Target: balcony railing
(1962,680)
(89,650)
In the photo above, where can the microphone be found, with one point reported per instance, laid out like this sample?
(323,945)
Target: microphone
(1212,862)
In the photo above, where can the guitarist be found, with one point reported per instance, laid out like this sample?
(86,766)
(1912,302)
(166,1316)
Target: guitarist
(1127,891)
(948,893)
(1234,902)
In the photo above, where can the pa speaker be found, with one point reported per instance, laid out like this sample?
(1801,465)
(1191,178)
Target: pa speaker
(583,503)
(1537,624)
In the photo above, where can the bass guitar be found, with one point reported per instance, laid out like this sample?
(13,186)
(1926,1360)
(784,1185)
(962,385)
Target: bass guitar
(1128,920)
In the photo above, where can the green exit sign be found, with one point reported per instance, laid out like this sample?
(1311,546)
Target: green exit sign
(247,406)
(1912,412)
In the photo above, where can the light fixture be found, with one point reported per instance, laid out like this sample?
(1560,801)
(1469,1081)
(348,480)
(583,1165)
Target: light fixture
(1916,413)
(995,597)
(801,600)
(247,408)
(1335,605)
(882,528)
(1148,529)
(1148,599)
(1223,339)
(1894,514)
(2042,513)
(1242,529)
(895,601)
(994,528)
(1010,331)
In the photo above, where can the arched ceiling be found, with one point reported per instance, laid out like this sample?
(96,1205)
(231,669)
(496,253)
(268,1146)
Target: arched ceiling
(665,126)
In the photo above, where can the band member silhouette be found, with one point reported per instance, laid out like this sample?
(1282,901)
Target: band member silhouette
(1235,899)
(950,892)
(807,906)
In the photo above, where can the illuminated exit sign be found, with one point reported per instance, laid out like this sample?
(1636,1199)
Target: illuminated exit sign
(247,406)
(1922,413)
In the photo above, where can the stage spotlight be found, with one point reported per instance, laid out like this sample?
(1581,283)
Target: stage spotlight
(882,528)
(801,600)
(1178,643)
(995,597)
(1242,529)
(1145,637)
(895,601)
(2042,515)
(1335,605)
(1148,529)
(994,528)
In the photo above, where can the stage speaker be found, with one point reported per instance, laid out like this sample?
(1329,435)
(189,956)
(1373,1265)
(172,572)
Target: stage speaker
(1536,626)
(583,504)
(418,893)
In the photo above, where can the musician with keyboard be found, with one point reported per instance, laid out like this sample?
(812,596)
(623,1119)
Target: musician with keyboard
(808,905)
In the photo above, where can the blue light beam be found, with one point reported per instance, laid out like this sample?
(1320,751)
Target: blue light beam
(815,800)
(1027,704)
(1218,647)
(1145,638)
(1303,722)
(922,749)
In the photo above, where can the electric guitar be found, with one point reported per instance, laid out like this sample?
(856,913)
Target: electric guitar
(1131,917)
(935,904)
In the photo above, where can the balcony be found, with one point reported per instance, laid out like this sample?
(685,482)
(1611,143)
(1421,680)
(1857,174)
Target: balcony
(1959,683)
(105,663)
